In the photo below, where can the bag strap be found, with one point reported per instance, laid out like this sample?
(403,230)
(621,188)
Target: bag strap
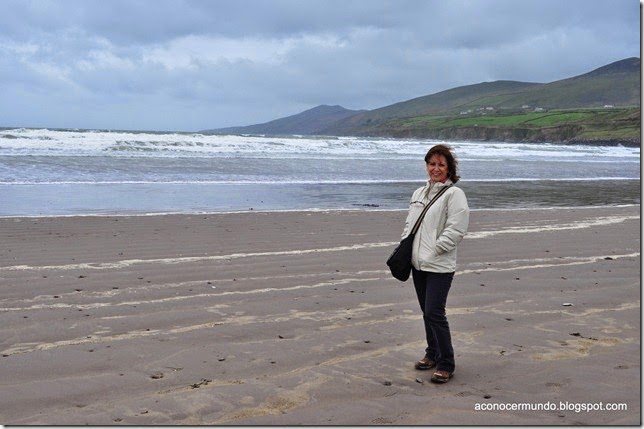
(422,215)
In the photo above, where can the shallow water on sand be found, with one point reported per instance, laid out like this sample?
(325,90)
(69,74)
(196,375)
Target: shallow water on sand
(71,199)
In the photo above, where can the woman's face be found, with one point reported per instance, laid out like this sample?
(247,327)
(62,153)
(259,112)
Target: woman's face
(437,168)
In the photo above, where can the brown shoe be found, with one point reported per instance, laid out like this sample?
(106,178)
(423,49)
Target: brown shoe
(425,363)
(441,376)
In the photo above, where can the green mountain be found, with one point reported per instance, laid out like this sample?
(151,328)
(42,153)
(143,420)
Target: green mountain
(602,106)
(445,102)
(442,115)
(309,122)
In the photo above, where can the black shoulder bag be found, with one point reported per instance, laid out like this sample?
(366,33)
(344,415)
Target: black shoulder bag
(399,261)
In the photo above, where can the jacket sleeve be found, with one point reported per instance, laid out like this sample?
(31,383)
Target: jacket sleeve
(458,218)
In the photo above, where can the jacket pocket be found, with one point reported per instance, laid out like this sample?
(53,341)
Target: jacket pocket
(427,249)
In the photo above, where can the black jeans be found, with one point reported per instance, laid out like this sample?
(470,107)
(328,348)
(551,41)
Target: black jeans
(432,290)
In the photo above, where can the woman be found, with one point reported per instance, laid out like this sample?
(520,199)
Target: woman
(434,255)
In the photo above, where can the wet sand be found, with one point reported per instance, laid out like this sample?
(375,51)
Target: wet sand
(292,318)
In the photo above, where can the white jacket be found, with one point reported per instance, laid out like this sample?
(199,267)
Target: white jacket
(444,226)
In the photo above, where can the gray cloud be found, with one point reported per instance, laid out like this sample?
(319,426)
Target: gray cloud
(189,65)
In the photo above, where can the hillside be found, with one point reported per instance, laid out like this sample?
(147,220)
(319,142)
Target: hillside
(602,105)
(575,126)
(438,115)
(311,121)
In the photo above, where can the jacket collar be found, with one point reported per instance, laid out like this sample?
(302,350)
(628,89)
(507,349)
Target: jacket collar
(433,187)
(439,185)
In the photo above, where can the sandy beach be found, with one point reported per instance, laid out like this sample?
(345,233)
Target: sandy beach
(292,318)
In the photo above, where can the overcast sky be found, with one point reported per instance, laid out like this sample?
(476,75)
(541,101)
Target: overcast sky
(191,65)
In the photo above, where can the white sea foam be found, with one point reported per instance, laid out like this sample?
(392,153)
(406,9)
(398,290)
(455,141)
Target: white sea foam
(53,172)
(44,142)
(294,182)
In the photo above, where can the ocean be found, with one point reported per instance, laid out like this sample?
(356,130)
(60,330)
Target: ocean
(45,172)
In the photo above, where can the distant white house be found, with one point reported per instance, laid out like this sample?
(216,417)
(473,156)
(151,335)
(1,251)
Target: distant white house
(608,106)
(538,109)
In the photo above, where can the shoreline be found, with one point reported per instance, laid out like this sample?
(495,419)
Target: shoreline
(65,200)
(311,210)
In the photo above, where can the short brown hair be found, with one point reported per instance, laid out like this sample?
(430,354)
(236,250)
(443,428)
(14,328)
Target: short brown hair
(452,163)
